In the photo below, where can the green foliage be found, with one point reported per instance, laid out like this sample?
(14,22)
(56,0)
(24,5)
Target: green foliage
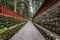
(42,1)
(22,5)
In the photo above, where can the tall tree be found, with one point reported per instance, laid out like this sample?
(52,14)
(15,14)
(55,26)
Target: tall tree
(15,5)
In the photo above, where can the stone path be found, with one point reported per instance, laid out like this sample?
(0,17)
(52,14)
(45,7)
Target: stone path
(28,32)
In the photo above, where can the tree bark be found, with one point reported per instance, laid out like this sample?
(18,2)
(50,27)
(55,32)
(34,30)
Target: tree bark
(15,5)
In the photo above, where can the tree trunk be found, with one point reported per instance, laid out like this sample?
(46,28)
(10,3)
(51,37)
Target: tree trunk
(21,12)
(15,5)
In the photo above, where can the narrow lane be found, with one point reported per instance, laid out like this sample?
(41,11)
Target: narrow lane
(28,32)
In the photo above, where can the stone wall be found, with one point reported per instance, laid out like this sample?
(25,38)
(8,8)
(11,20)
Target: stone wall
(9,33)
(50,19)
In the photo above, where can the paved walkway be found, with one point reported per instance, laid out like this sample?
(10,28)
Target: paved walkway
(28,32)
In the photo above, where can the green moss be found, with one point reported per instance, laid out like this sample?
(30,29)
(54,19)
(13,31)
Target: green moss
(10,28)
(7,33)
